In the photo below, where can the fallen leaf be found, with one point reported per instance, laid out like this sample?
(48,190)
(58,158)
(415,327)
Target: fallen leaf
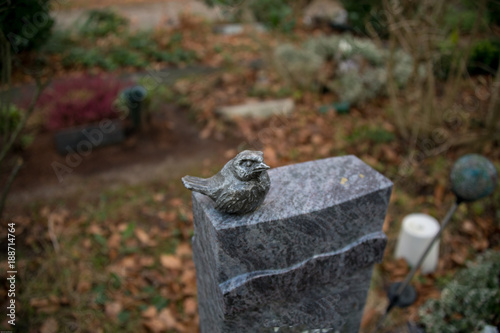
(190,306)
(167,216)
(170,262)
(94,229)
(367,317)
(150,312)
(155,325)
(49,326)
(390,154)
(113,309)
(129,262)
(229,154)
(39,302)
(49,309)
(176,202)
(469,228)
(184,250)
(142,236)
(438,194)
(459,258)
(387,223)
(158,197)
(83,286)
(146,261)
(270,156)
(480,244)
(167,318)
(114,241)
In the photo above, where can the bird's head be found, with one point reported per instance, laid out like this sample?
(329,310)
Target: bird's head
(249,164)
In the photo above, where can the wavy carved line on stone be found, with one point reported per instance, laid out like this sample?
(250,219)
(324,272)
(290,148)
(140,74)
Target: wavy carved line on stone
(239,281)
(309,231)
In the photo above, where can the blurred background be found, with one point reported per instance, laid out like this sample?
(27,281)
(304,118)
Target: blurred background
(106,104)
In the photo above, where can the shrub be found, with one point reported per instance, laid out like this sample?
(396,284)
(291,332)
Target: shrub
(359,72)
(463,15)
(26,24)
(355,86)
(484,57)
(469,301)
(92,57)
(126,57)
(362,12)
(59,42)
(9,119)
(80,101)
(276,14)
(300,66)
(101,23)
(143,42)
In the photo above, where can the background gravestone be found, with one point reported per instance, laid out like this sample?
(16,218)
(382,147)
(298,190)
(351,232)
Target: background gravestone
(303,260)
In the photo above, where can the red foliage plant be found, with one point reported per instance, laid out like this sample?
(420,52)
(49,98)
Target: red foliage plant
(83,100)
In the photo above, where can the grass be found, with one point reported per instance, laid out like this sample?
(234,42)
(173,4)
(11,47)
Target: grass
(78,284)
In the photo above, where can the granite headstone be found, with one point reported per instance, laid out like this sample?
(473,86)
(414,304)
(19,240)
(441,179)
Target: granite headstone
(302,261)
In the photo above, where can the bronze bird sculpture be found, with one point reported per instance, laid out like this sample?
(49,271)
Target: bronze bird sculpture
(239,188)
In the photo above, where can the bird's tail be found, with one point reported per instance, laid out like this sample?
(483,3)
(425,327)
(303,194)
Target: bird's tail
(196,184)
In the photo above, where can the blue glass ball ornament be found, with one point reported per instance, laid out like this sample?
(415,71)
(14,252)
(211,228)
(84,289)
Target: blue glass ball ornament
(473,177)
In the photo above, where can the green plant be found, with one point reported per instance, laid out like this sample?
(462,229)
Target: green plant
(419,110)
(101,23)
(359,75)
(10,119)
(357,87)
(13,120)
(143,42)
(366,13)
(126,57)
(463,15)
(299,66)
(26,24)
(59,42)
(87,58)
(374,134)
(276,14)
(484,56)
(469,301)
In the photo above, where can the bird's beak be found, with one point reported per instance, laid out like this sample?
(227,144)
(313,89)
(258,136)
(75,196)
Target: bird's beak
(262,167)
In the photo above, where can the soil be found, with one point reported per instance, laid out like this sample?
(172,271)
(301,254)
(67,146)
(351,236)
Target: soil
(168,148)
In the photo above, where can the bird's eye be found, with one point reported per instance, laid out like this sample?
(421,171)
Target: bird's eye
(248,163)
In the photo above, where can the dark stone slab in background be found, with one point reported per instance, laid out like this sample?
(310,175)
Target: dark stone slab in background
(301,259)
(81,139)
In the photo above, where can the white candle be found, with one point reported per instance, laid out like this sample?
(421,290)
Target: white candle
(416,233)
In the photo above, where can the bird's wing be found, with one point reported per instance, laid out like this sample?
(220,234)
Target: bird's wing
(197,184)
(229,202)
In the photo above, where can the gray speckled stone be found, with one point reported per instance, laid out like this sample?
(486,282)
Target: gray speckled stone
(301,261)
